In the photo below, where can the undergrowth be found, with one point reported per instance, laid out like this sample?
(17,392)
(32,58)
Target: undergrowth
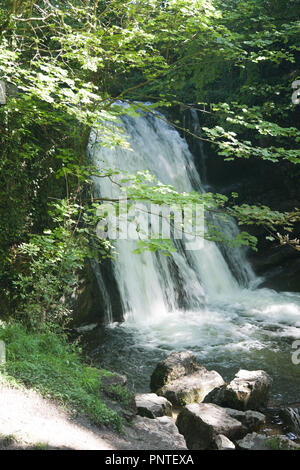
(46,362)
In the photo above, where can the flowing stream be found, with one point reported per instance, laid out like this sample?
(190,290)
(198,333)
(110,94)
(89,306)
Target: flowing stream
(194,299)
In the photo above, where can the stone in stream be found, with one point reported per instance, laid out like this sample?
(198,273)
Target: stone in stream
(256,441)
(249,390)
(191,388)
(176,365)
(290,417)
(223,443)
(251,420)
(152,406)
(200,423)
(182,379)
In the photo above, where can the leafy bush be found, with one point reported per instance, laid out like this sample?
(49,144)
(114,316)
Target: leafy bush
(50,266)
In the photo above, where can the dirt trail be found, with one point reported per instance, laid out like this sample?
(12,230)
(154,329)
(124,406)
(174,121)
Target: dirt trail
(36,422)
(32,420)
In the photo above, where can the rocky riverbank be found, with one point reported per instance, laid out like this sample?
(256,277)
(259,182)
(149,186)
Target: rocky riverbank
(202,421)
(202,411)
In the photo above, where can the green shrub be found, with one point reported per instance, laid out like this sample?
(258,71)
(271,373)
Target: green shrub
(46,362)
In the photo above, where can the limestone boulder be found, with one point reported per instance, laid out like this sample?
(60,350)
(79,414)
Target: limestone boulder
(200,423)
(152,406)
(176,365)
(159,433)
(251,420)
(249,390)
(182,379)
(223,443)
(191,388)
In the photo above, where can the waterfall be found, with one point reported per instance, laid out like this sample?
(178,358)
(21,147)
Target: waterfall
(235,258)
(152,285)
(202,300)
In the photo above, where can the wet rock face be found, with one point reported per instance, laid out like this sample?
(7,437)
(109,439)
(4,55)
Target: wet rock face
(182,380)
(201,423)
(152,406)
(249,390)
(284,276)
(290,417)
(88,301)
(279,192)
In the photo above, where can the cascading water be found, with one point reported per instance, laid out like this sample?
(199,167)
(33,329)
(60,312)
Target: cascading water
(191,299)
(235,258)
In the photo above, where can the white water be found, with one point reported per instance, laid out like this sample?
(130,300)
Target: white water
(192,299)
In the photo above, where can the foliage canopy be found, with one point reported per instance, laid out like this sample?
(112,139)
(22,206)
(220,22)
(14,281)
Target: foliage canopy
(66,63)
